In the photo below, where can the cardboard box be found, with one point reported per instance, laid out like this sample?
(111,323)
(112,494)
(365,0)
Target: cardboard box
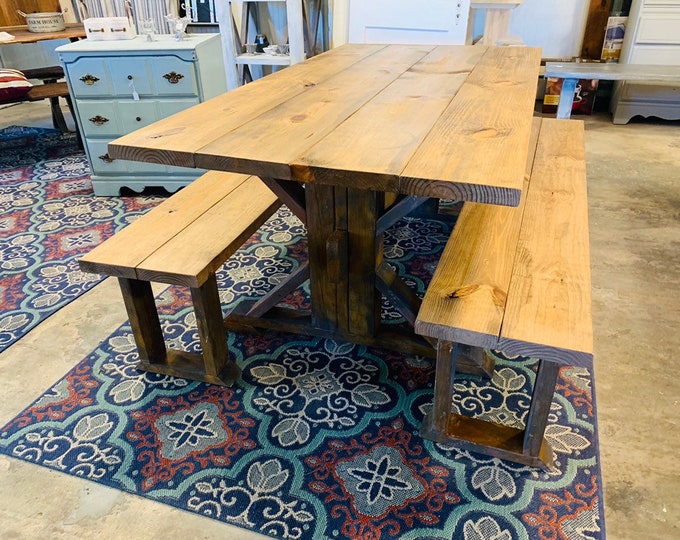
(584,95)
(109,28)
(613,38)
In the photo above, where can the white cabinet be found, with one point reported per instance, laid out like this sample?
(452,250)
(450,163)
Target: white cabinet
(120,86)
(652,37)
(238,27)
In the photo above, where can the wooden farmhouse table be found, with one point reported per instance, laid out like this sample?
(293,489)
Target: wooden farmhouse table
(352,140)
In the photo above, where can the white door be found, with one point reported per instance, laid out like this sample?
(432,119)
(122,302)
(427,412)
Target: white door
(408,21)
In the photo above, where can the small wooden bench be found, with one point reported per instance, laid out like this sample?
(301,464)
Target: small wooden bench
(51,89)
(571,72)
(516,280)
(184,241)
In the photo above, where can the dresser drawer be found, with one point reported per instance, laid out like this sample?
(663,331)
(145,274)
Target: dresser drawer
(147,76)
(89,77)
(103,164)
(173,76)
(655,55)
(100,160)
(659,28)
(98,118)
(113,118)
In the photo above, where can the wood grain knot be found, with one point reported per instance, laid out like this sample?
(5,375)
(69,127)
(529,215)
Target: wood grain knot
(489,133)
(498,296)
(464,291)
(298,118)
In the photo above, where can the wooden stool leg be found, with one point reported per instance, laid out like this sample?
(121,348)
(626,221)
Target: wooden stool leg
(58,120)
(218,368)
(146,326)
(537,419)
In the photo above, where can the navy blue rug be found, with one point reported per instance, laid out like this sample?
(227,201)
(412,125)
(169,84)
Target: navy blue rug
(49,217)
(318,439)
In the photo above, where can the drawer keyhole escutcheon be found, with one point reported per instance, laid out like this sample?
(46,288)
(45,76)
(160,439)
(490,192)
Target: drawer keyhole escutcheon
(99,120)
(129,77)
(89,79)
(106,158)
(173,77)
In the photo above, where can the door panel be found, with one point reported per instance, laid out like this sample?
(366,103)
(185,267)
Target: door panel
(402,21)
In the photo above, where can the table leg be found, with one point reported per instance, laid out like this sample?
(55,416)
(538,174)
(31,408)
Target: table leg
(343,253)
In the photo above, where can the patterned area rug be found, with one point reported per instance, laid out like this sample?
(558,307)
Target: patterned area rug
(48,218)
(318,439)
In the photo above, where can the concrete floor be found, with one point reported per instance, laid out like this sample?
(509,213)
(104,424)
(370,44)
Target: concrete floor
(634,196)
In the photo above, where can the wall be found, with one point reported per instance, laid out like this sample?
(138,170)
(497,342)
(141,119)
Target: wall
(557,27)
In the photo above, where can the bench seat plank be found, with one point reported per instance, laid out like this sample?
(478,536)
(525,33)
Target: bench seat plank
(465,303)
(198,251)
(123,252)
(548,313)
(612,71)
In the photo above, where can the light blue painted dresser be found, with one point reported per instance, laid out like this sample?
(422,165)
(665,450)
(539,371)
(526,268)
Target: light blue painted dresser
(120,86)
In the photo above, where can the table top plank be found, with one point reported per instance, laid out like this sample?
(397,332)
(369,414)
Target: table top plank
(332,119)
(485,236)
(490,117)
(550,294)
(407,109)
(176,139)
(269,143)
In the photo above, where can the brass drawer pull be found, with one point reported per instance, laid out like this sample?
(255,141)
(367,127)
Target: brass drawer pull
(173,77)
(99,120)
(89,79)
(106,158)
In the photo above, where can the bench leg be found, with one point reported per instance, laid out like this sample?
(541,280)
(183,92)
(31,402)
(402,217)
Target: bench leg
(525,446)
(566,98)
(146,327)
(218,368)
(213,366)
(58,120)
(541,398)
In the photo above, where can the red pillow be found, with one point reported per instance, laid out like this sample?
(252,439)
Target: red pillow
(13,85)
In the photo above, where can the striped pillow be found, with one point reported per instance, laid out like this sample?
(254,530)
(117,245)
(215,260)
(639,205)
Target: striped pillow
(13,85)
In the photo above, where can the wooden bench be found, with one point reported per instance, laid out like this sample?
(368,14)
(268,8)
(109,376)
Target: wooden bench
(50,89)
(516,280)
(184,241)
(571,72)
